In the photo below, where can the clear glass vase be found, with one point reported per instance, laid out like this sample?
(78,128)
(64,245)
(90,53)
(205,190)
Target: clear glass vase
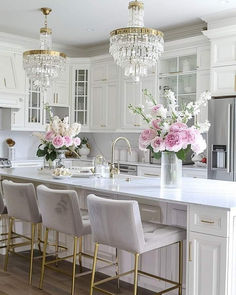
(61,156)
(171,170)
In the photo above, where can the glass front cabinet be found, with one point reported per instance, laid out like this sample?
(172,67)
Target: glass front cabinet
(35,107)
(80,95)
(178,74)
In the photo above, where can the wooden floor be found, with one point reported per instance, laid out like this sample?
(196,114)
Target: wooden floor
(15,280)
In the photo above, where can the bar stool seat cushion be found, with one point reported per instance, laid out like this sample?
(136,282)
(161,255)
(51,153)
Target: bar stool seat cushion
(160,235)
(3,207)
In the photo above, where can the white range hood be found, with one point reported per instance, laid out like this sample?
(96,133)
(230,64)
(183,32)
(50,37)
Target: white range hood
(10,100)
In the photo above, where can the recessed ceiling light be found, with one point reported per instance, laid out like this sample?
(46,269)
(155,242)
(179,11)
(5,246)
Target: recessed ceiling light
(90,30)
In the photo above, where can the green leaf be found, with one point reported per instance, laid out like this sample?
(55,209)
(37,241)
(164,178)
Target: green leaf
(53,155)
(41,153)
(181,154)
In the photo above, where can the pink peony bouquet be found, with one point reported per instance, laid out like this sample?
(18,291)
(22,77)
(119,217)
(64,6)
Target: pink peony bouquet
(169,127)
(60,135)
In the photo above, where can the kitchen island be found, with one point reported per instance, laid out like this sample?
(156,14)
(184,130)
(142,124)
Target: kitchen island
(206,208)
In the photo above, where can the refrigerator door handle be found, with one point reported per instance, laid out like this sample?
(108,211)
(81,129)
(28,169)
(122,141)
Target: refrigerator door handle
(229,140)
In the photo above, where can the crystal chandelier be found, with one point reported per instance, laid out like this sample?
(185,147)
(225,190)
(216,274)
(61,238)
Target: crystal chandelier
(43,66)
(136,48)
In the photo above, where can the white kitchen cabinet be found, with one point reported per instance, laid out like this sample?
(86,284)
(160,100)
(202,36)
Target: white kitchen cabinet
(147,171)
(203,58)
(223,51)
(207,264)
(80,94)
(35,112)
(203,84)
(12,75)
(58,94)
(130,94)
(104,72)
(18,116)
(104,103)
(223,81)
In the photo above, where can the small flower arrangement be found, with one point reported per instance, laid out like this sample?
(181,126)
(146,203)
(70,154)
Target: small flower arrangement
(60,135)
(168,128)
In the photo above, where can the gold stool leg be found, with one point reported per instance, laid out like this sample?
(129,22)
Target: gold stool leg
(39,236)
(44,258)
(32,252)
(80,252)
(94,267)
(136,273)
(180,266)
(74,265)
(8,243)
(117,269)
(56,245)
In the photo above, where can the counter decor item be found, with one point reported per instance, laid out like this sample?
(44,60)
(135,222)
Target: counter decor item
(11,149)
(168,134)
(84,148)
(59,137)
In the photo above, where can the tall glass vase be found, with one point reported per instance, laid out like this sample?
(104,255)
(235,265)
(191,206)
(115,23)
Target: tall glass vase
(171,170)
(61,156)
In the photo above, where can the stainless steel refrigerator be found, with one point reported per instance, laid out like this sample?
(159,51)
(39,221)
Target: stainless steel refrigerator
(221,139)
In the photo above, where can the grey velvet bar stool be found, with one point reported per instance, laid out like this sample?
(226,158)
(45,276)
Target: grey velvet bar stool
(118,224)
(61,212)
(21,204)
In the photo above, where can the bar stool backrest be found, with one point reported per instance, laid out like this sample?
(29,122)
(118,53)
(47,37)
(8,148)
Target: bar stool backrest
(2,207)
(116,223)
(21,201)
(60,210)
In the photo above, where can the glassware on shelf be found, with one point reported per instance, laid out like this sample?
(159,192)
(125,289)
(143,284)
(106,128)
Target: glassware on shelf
(187,63)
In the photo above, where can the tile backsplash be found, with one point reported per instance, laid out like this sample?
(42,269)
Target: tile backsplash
(27,143)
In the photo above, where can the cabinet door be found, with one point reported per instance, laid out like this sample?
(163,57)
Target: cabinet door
(207,265)
(99,72)
(18,116)
(7,74)
(112,72)
(203,58)
(149,171)
(34,108)
(111,105)
(61,94)
(223,51)
(223,81)
(203,84)
(149,83)
(98,108)
(131,94)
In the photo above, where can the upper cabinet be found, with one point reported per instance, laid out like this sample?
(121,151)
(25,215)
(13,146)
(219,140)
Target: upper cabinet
(80,94)
(12,76)
(104,72)
(178,74)
(223,51)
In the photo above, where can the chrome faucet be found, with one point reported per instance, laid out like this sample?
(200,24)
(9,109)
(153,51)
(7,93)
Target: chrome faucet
(113,169)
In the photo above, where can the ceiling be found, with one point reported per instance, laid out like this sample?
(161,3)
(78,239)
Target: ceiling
(85,23)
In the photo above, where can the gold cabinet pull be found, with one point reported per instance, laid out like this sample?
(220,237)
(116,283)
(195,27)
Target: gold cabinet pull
(150,174)
(104,79)
(207,221)
(57,97)
(190,251)
(137,125)
(102,125)
(5,82)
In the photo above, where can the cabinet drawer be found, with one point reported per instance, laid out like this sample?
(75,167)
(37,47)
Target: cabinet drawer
(149,171)
(209,220)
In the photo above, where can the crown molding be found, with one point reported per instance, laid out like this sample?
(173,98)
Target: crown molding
(24,43)
(184,32)
(220,19)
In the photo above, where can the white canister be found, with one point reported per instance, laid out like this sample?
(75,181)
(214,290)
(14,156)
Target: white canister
(133,157)
(11,153)
(123,155)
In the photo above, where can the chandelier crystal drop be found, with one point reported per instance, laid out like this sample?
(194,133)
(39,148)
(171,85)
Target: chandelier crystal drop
(136,48)
(43,66)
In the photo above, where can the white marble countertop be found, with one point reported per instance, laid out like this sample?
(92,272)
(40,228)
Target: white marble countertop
(221,194)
